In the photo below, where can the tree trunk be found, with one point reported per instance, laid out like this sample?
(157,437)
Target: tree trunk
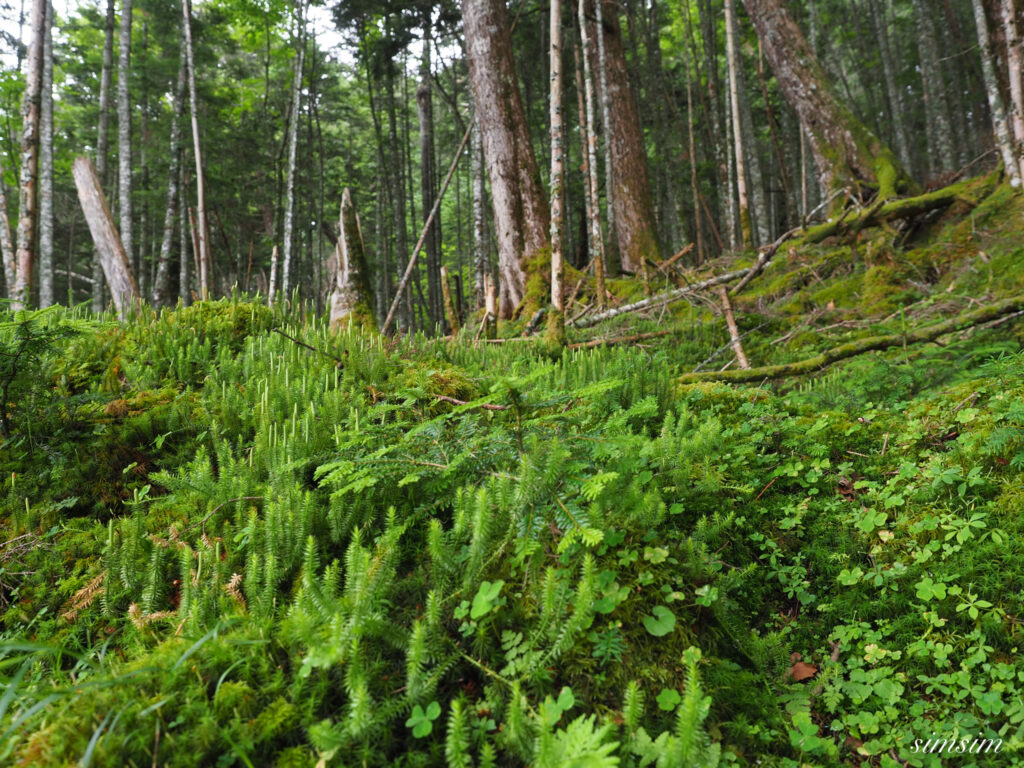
(635,226)
(847,154)
(124,129)
(272,287)
(116,266)
(428,188)
(184,260)
(6,244)
(352,298)
(293,141)
(896,119)
(939,129)
(520,208)
(1015,68)
(162,281)
(556,322)
(481,267)
(103,140)
(606,126)
(734,66)
(28,199)
(46,168)
(396,181)
(203,256)
(596,237)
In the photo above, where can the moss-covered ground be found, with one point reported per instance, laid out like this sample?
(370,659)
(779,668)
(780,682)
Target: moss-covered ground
(222,547)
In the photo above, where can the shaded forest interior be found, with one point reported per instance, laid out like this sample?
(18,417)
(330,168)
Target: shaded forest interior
(223,136)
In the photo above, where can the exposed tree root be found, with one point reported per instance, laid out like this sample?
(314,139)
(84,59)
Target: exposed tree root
(852,349)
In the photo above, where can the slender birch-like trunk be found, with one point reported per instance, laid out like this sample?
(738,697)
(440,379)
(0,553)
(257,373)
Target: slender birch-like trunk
(124,129)
(734,64)
(481,268)
(896,119)
(28,197)
(6,244)
(939,128)
(606,123)
(293,141)
(428,188)
(46,168)
(596,238)
(184,258)
(202,234)
(162,281)
(556,323)
(103,139)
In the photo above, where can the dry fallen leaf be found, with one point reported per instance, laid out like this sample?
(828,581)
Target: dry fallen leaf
(802,671)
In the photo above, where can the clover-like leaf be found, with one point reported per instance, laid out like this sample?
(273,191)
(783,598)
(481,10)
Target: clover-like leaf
(668,699)
(660,622)
(422,723)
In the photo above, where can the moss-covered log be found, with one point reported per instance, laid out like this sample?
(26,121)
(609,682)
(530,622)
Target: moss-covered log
(860,346)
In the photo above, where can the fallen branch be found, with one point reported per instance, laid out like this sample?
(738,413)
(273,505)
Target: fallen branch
(734,331)
(485,406)
(860,346)
(661,298)
(618,340)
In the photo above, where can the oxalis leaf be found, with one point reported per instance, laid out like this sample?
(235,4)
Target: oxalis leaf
(661,622)
(422,723)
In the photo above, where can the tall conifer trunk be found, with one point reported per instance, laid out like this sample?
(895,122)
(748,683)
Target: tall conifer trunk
(521,214)
(635,226)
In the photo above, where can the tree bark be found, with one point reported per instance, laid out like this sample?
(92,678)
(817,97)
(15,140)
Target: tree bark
(124,129)
(1004,139)
(556,321)
(846,153)
(1015,70)
(7,252)
(184,259)
(202,235)
(596,236)
(428,187)
(896,118)
(635,226)
(46,168)
(352,297)
(162,281)
(103,140)
(481,267)
(939,130)
(293,141)
(521,213)
(123,288)
(734,66)
(28,198)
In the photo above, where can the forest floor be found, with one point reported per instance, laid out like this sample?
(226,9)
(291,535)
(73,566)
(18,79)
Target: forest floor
(222,547)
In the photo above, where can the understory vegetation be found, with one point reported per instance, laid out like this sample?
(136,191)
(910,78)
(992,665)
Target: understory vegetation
(232,536)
